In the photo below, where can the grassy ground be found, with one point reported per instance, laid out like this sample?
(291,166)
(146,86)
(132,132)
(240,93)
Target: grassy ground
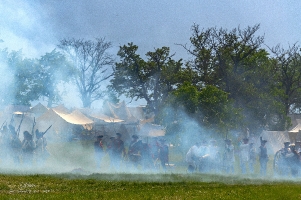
(165,186)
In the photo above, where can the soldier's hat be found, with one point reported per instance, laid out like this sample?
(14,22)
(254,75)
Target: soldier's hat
(112,137)
(118,134)
(286,144)
(27,135)
(99,136)
(245,139)
(263,141)
(228,140)
(11,128)
(135,136)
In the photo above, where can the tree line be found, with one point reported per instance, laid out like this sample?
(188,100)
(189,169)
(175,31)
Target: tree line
(232,81)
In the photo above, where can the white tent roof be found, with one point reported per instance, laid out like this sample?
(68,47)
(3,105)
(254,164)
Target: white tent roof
(297,128)
(76,117)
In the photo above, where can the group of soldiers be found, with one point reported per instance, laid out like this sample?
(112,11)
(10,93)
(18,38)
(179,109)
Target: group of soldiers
(138,154)
(287,161)
(32,150)
(210,158)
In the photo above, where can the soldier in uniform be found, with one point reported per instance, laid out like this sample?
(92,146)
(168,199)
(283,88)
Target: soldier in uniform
(286,158)
(146,157)
(134,150)
(263,157)
(163,153)
(118,151)
(229,158)
(15,145)
(244,155)
(98,149)
(41,152)
(28,146)
(252,156)
(214,157)
(193,156)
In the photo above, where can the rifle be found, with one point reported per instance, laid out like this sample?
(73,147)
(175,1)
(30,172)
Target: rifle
(46,130)
(12,119)
(2,125)
(32,130)
(18,130)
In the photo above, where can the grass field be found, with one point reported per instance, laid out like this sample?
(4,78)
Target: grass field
(137,186)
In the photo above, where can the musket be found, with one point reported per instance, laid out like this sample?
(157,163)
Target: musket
(2,125)
(18,130)
(47,130)
(33,125)
(12,119)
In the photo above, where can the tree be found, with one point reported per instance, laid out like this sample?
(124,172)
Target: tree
(234,62)
(152,79)
(210,106)
(288,76)
(92,63)
(54,69)
(21,86)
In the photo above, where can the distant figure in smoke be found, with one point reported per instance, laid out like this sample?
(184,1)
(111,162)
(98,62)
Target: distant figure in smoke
(146,157)
(193,157)
(5,144)
(118,151)
(286,159)
(244,155)
(204,157)
(294,161)
(154,150)
(15,145)
(263,157)
(163,153)
(214,157)
(98,149)
(134,151)
(41,152)
(28,146)
(229,158)
(252,156)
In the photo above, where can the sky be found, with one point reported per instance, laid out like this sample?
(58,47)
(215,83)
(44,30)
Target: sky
(37,26)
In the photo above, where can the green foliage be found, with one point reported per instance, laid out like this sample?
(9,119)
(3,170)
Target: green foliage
(152,79)
(54,69)
(234,62)
(168,186)
(210,106)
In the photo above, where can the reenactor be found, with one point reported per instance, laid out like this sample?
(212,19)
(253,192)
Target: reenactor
(163,153)
(154,150)
(286,159)
(263,157)
(99,151)
(28,146)
(244,155)
(146,157)
(229,158)
(134,151)
(15,145)
(214,157)
(193,157)
(6,152)
(41,151)
(294,161)
(204,157)
(252,156)
(118,151)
